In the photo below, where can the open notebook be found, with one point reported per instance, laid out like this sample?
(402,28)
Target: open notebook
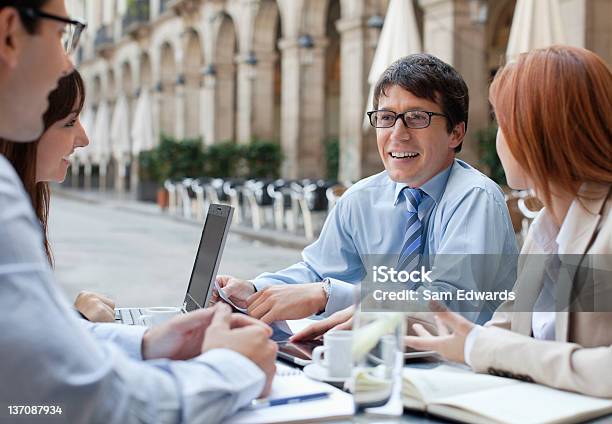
(480,398)
(292,382)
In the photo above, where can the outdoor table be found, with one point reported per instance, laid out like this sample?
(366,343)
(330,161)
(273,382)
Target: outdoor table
(410,416)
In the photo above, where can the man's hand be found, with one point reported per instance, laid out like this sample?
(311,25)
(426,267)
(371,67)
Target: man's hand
(236,289)
(95,307)
(182,337)
(341,320)
(287,301)
(449,344)
(248,337)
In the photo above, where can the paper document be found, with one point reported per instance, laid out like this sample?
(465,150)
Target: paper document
(227,299)
(338,405)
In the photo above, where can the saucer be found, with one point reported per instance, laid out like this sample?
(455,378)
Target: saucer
(317,372)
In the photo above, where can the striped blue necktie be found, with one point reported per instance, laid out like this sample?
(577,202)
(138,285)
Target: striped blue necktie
(409,257)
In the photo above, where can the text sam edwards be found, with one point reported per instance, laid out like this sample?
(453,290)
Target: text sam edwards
(460,294)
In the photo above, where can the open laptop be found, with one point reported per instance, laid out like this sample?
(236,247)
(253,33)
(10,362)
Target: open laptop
(204,272)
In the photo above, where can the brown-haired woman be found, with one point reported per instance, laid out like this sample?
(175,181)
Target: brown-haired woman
(554,109)
(47,160)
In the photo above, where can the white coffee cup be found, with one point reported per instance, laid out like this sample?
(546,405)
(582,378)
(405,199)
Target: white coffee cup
(158,315)
(337,346)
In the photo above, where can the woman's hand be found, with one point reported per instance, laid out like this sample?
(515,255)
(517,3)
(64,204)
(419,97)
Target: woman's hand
(96,307)
(452,332)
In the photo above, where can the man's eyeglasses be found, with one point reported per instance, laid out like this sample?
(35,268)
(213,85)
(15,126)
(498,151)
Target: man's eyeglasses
(411,119)
(72,31)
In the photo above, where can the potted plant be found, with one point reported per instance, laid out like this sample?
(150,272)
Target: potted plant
(149,175)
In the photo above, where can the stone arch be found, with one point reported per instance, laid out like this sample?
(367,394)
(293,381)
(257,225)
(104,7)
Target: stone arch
(267,87)
(226,49)
(166,87)
(194,60)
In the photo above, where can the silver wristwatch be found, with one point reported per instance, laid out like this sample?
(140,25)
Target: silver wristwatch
(327,287)
(326,284)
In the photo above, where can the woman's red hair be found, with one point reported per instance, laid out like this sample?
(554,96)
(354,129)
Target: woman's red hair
(554,108)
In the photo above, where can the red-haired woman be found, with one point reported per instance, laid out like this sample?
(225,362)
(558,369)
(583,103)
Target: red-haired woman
(554,109)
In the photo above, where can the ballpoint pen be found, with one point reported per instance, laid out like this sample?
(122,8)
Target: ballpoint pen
(264,403)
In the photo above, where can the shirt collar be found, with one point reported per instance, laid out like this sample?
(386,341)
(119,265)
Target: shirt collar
(551,238)
(545,232)
(434,187)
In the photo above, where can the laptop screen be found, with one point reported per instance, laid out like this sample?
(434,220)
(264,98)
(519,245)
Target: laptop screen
(207,260)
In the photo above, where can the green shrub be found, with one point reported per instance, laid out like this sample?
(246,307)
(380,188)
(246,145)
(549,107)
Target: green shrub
(332,158)
(263,159)
(488,154)
(149,166)
(224,159)
(189,158)
(180,159)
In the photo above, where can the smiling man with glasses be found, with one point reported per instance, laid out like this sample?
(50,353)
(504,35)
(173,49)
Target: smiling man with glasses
(426,202)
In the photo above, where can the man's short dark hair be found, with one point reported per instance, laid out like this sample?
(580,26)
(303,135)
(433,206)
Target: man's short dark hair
(428,77)
(28,22)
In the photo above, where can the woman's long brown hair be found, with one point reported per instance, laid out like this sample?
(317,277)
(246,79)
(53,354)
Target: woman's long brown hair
(68,97)
(554,108)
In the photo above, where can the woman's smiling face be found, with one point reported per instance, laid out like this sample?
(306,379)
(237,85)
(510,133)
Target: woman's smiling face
(56,145)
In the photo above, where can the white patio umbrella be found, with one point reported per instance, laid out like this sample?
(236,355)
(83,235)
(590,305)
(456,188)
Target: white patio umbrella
(87,122)
(101,141)
(120,139)
(142,125)
(120,129)
(535,24)
(100,137)
(399,38)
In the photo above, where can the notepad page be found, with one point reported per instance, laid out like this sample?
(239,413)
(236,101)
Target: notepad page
(525,403)
(339,404)
(433,384)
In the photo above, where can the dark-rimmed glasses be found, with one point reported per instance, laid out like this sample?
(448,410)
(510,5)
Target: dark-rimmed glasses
(412,118)
(72,32)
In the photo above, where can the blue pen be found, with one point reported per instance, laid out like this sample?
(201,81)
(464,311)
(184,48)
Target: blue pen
(264,403)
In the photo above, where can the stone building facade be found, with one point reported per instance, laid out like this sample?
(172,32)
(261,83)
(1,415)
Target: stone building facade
(293,71)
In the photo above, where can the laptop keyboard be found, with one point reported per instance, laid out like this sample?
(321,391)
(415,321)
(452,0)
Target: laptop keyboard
(129,316)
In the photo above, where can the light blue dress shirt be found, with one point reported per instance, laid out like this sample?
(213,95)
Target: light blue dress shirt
(94,372)
(464,212)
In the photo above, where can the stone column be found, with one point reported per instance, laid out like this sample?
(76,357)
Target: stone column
(303,108)
(179,111)
(244,112)
(264,125)
(353,96)
(224,103)
(208,112)
(450,34)
(156,102)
